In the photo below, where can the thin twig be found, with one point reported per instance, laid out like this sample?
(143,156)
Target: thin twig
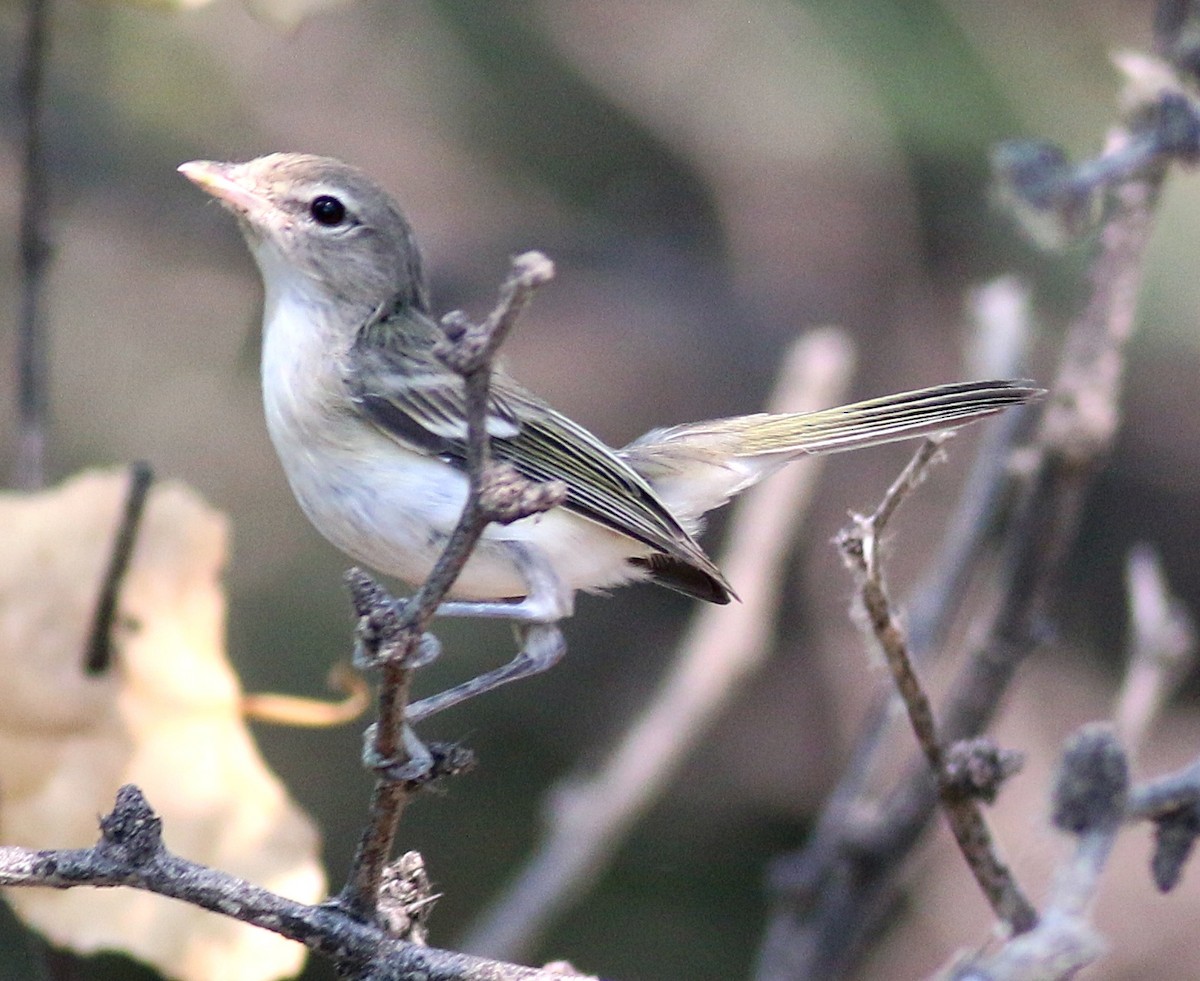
(1164,794)
(402,761)
(1004,333)
(314,713)
(382,638)
(860,549)
(1162,646)
(29,466)
(131,853)
(98,653)
(591,813)
(470,351)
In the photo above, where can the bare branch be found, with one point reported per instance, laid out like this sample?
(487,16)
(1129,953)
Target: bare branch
(98,654)
(859,546)
(1092,795)
(131,853)
(1165,794)
(469,351)
(1004,332)
(29,468)
(472,348)
(392,637)
(1162,646)
(831,898)
(1089,803)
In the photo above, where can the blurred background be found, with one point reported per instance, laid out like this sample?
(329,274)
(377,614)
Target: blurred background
(710,177)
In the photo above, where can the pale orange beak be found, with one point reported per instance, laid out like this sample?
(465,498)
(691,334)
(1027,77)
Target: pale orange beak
(218,180)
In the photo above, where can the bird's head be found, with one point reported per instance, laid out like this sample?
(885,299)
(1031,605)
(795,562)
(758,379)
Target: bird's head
(321,226)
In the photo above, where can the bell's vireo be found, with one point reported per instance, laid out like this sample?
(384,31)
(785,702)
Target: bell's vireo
(369,424)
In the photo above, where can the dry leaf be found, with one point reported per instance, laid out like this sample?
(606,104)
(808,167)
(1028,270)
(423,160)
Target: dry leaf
(166,716)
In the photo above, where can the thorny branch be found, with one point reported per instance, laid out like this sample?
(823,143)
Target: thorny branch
(393,636)
(960,800)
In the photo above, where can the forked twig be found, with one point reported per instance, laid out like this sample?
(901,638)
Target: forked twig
(1092,795)
(830,899)
(353,930)
(859,546)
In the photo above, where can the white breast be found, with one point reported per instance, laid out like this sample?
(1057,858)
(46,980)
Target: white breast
(384,505)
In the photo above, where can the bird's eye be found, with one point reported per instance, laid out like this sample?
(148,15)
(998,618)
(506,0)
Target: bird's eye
(327,210)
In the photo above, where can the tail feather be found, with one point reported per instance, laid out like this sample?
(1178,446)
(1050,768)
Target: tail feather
(698,466)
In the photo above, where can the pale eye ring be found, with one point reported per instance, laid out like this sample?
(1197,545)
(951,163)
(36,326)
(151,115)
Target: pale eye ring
(327,210)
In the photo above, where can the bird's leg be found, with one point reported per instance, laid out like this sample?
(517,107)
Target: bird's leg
(547,601)
(542,645)
(541,640)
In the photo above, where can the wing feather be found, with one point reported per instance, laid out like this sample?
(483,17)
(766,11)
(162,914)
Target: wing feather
(402,387)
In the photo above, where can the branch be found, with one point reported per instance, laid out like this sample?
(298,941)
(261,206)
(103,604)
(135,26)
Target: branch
(351,929)
(860,551)
(1092,798)
(1089,803)
(131,853)
(1162,646)
(1003,335)
(1172,803)
(1162,643)
(589,814)
(29,466)
(830,899)
(98,654)
(392,635)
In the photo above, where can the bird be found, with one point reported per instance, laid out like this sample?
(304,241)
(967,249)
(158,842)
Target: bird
(369,424)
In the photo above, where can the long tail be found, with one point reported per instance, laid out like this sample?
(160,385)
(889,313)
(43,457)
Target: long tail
(699,466)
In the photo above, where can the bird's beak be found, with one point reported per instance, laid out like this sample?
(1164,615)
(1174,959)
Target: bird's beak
(223,183)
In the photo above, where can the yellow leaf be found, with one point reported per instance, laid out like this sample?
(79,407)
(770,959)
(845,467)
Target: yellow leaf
(165,716)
